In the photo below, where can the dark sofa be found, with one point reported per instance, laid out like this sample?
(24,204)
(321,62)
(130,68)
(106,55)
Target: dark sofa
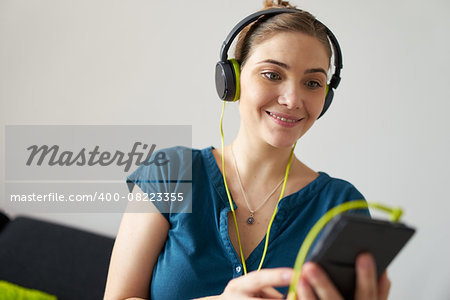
(56,259)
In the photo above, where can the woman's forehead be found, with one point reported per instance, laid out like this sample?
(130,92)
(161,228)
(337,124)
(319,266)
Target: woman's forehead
(290,48)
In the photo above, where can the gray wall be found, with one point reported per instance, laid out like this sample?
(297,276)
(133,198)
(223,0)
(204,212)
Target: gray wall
(151,62)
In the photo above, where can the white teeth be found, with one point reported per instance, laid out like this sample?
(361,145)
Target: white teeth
(282,119)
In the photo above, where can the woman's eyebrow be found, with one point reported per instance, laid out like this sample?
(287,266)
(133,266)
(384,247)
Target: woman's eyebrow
(285,66)
(316,70)
(275,62)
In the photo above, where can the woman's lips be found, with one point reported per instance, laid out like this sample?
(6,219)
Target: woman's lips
(283,119)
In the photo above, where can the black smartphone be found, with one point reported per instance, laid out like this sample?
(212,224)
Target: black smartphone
(348,235)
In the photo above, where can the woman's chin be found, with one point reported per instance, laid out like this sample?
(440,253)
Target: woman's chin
(282,143)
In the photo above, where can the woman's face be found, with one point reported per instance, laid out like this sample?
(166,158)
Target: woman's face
(283,87)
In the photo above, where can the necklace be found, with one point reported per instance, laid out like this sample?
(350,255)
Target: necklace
(251,218)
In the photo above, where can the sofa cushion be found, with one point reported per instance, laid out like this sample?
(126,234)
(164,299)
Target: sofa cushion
(3,220)
(59,260)
(9,291)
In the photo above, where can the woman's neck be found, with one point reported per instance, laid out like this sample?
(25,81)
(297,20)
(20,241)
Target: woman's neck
(258,160)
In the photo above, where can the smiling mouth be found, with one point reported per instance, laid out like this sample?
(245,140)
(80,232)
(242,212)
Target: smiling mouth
(283,118)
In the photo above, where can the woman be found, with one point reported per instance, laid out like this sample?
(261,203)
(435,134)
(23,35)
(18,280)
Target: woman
(284,60)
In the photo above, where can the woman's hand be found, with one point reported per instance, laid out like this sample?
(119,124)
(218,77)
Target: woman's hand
(258,285)
(315,284)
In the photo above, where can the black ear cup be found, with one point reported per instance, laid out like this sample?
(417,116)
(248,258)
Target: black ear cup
(225,81)
(328,100)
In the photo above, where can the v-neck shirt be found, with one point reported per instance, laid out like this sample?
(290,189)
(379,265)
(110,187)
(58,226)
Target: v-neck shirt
(198,258)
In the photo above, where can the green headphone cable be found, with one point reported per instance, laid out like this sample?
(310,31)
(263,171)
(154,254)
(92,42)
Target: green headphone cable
(231,202)
(276,207)
(228,190)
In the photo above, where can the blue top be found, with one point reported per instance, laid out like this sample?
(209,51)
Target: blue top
(198,258)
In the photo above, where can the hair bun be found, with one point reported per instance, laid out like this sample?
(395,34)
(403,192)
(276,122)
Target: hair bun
(277,3)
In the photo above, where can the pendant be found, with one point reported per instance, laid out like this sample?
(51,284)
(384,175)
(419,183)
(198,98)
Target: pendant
(250,220)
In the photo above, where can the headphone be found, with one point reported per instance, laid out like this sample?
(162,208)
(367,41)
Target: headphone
(228,70)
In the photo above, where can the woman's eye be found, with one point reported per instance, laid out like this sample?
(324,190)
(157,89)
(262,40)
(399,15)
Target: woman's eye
(312,84)
(272,76)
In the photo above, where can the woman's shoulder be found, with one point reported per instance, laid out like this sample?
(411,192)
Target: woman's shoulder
(322,194)
(184,152)
(317,181)
(175,154)
(171,160)
(339,188)
(337,182)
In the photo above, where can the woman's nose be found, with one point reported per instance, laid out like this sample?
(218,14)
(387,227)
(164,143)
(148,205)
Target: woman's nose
(291,97)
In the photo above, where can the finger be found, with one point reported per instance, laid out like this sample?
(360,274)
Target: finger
(384,286)
(270,292)
(305,291)
(320,282)
(366,277)
(254,282)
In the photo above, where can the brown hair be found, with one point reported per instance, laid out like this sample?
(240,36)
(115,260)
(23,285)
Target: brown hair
(265,27)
